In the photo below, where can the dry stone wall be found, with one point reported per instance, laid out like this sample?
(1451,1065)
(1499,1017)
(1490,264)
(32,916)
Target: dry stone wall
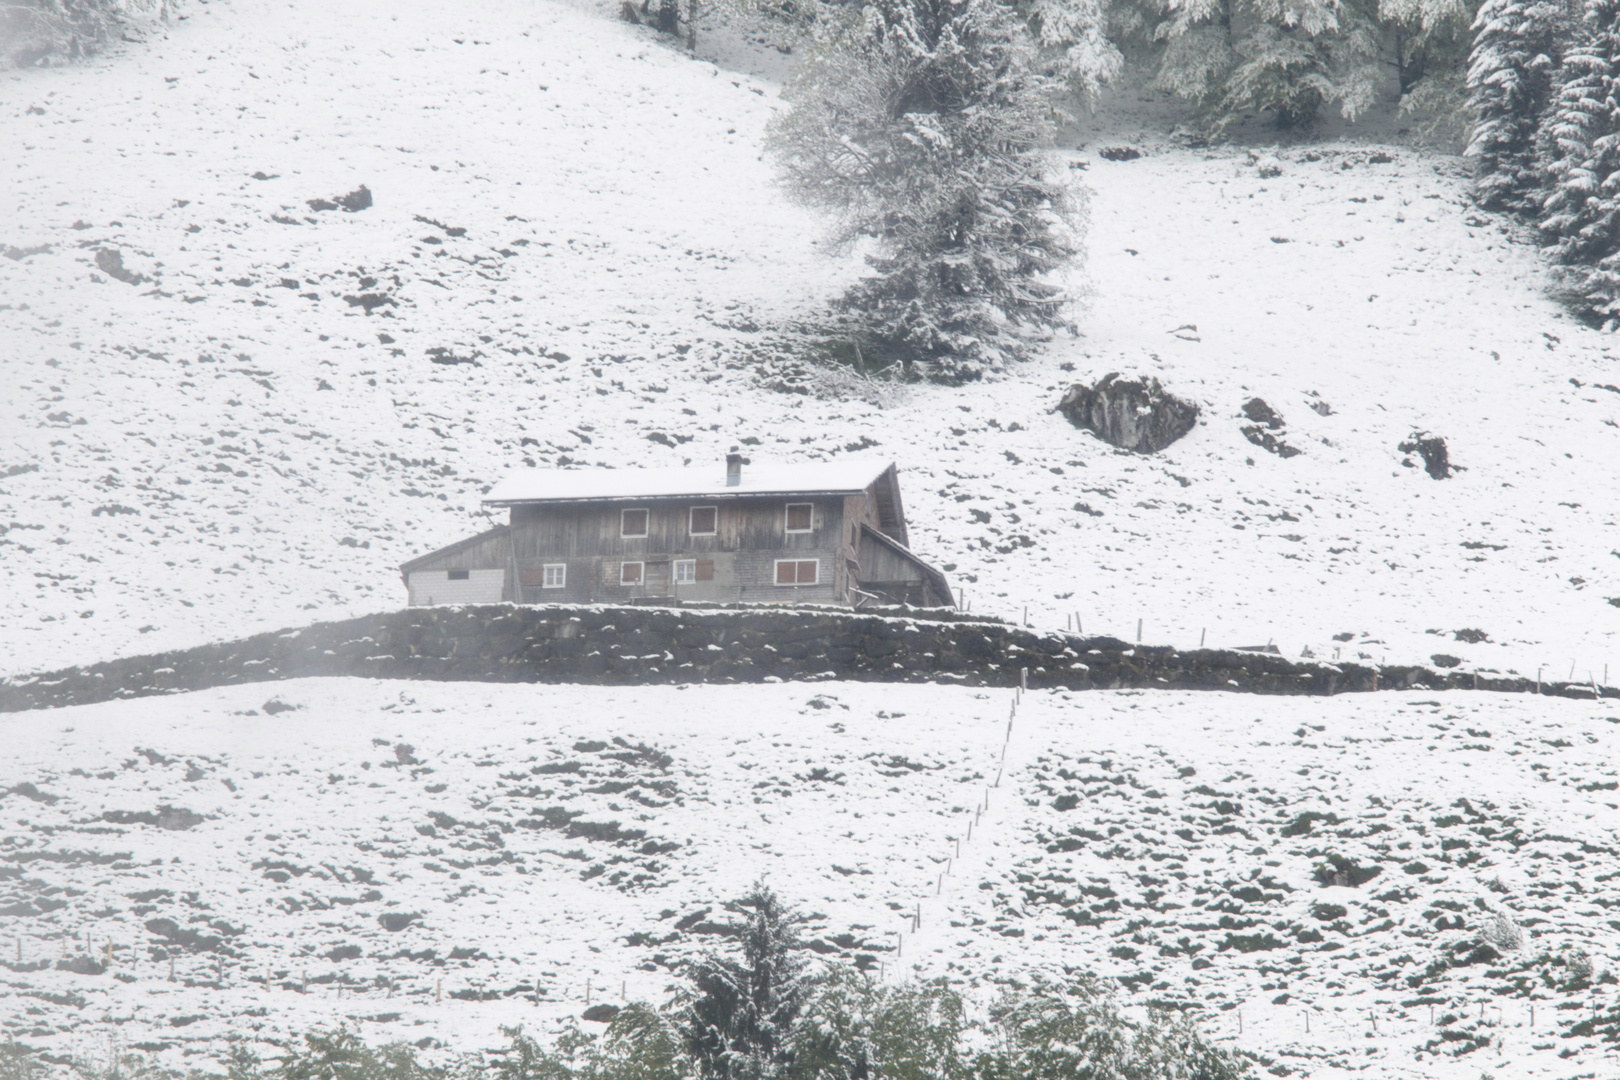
(632,645)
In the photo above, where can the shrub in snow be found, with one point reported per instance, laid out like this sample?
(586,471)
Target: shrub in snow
(1511,77)
(641,1043)
(1077,1034)
(853,1028)
(849,1027)
(739,1020)
(339,1054)
(1503,934)
(924,126)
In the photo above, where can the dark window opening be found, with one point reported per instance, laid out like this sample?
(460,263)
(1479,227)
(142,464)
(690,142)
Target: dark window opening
(460,575)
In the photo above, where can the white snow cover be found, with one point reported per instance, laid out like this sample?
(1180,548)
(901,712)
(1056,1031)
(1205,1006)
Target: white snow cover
(843,477)
(579,836)
(576,256)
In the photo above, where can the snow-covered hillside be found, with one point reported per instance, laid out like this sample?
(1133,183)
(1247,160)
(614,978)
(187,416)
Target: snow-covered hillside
(227,409)
(419,859)
(575,253)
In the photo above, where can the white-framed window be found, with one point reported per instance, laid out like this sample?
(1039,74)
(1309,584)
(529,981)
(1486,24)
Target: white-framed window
(800,517)
(460,575)
(554,575)
(633,523)
(685,571)
(703,520)
(632,573)
(798,571)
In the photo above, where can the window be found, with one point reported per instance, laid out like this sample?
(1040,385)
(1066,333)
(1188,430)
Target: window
(630,573)
(460,575)
(798,517)
(797,571)
(555,576)
(632,523)
(685,571)
(702,520)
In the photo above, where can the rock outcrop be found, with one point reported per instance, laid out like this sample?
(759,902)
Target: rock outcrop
(1132,414)
(1432,449)
(1266,428)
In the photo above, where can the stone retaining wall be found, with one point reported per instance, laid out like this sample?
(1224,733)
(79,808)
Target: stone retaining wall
(633,645)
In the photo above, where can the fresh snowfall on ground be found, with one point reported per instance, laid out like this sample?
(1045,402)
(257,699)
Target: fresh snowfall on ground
(575,253)
(432,861)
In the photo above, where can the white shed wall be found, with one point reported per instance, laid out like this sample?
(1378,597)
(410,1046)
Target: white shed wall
(435,587)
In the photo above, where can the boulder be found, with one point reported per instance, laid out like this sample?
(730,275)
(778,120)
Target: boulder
(1265,428)
(1133,414)
(1432,449)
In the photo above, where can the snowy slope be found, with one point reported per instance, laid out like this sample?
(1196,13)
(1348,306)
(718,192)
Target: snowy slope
(575,254)
(577,840)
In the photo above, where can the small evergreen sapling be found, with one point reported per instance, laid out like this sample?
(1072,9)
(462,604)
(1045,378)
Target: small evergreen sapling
(738,1023)
(1511,81)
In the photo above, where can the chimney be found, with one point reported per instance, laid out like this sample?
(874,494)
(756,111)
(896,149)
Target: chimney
(734,464)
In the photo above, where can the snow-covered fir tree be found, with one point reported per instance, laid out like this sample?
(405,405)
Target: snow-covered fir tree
(1074,35)
(1581,209)
(925,126)
(1293,58)
(1512,73)
(738,1024)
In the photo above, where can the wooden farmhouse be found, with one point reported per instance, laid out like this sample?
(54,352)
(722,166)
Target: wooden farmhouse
(830,533)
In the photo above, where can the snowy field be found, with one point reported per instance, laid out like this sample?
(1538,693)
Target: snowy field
(575,253)
(434,861)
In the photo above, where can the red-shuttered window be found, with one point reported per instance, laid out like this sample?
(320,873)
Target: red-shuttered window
(797,571)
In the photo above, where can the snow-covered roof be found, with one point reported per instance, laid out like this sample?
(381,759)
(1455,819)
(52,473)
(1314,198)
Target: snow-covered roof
(846,476)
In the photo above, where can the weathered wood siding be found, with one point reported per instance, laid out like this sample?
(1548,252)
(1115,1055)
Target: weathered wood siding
(883,564)
(750,535)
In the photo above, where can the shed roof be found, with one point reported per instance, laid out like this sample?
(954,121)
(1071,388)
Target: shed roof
(450,549)
(847,476)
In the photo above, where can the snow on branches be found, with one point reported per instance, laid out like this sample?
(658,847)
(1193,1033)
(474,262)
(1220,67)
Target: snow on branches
(924,127)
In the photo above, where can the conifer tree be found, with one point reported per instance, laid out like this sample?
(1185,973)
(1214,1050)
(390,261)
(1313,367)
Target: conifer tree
(1074,34)
(925,126)
(1511,82)
(1581,211)
(738,1024)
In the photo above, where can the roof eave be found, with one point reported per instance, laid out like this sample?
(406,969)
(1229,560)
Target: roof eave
(450,549)
(807,493)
